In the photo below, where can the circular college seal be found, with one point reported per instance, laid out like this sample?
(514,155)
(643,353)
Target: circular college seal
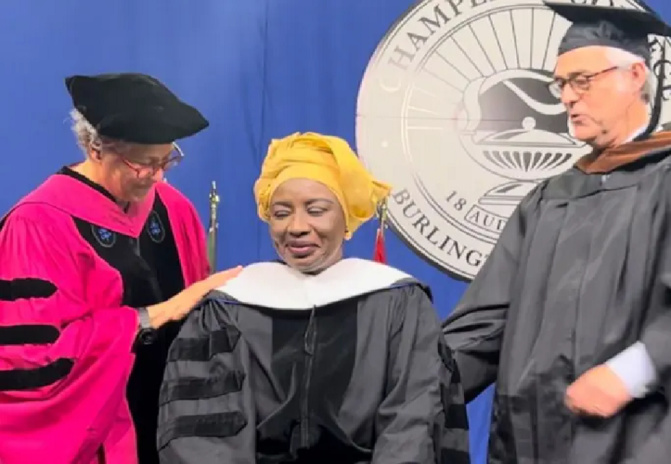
(455,112)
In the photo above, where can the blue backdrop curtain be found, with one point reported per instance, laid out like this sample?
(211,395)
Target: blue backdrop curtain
(258,69)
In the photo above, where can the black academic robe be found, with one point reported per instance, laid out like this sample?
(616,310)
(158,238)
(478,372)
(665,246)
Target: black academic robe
(580,273)
(345,367)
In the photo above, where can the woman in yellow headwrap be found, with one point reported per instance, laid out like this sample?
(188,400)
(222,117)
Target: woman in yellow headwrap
(318,359)
(314,192)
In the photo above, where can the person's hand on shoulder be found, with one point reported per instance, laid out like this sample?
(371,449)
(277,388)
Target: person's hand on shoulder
(177,307)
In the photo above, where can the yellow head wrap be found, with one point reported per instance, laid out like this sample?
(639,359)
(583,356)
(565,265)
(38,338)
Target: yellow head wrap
(325,159)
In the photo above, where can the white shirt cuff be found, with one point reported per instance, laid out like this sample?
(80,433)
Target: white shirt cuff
(636,370)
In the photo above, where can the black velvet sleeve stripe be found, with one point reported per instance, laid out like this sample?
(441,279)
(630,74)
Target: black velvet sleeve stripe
(454,442)
(456,415)
(197,388)
(203,349)
(15,289)
(227,424)
(448,361)
(27,334)
(454,456)
(451,394)
(27,379)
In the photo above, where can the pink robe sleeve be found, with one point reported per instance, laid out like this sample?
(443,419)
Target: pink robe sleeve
(64,363)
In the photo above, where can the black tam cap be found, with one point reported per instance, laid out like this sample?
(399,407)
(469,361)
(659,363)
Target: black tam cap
(624,28)
(133,107)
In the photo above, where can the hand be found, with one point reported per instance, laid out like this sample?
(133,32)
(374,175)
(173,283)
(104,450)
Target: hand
(598,392)
(220,278)
(180,305)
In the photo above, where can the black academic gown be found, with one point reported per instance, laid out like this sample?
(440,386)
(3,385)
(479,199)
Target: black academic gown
(581,271)
(151,273)
(345,367)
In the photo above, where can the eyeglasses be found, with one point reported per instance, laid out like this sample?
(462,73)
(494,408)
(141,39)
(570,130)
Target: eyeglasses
(145,170)
(580,83)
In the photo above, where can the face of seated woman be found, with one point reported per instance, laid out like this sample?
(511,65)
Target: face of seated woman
(307,225)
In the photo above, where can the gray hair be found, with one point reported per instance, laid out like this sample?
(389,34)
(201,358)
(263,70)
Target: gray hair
(87,136)
(623,58)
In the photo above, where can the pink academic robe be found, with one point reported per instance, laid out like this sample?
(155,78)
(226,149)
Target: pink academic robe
(65,339)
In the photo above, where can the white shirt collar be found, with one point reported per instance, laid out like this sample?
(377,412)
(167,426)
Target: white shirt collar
(636,133)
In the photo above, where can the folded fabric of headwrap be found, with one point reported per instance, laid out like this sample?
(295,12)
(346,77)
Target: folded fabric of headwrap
(325,159)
